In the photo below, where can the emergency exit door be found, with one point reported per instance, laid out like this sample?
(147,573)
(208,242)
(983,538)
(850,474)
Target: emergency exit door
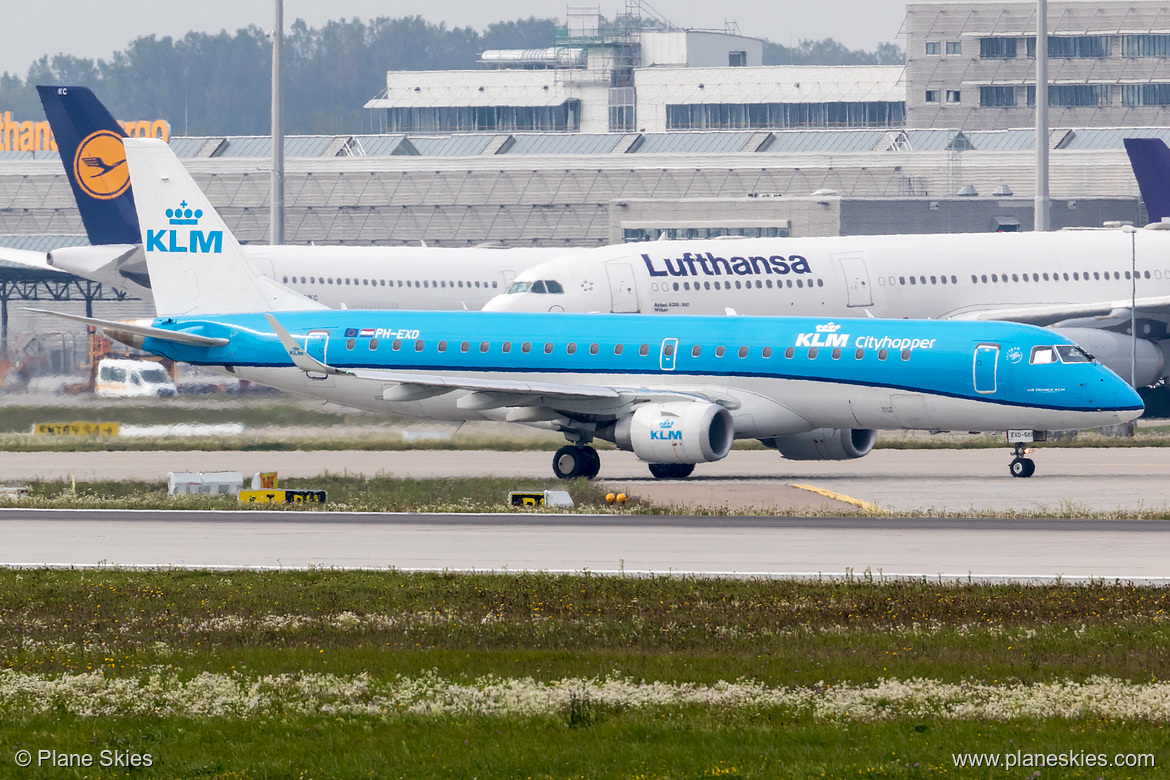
(623,294)
(856,279)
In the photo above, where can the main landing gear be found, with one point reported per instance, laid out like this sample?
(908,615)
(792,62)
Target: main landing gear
(576,461)
(1021,466)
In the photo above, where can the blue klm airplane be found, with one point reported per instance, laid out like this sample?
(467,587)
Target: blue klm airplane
(676,391)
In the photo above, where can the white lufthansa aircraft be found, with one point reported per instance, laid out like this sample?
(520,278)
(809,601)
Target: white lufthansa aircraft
(1081,283)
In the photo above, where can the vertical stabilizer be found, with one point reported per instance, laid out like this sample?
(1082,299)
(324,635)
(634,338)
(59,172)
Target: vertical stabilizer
(196,265)
(1150,160)
(90,142)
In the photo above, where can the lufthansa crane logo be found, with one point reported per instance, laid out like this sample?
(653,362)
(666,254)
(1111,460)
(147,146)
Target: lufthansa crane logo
(99,166)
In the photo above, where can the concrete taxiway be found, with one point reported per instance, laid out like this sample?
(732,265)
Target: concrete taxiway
(738,546)
(1097,479)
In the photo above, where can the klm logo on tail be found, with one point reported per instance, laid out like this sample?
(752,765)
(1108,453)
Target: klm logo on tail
(183,237)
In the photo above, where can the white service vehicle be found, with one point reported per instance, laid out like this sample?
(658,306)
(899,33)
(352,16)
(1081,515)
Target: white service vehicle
(124,378)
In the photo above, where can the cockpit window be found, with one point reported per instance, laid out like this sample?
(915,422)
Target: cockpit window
(1043,356)
(539,287)
(1070,353)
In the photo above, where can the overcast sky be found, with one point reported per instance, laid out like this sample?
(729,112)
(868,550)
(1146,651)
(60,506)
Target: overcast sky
(97,28)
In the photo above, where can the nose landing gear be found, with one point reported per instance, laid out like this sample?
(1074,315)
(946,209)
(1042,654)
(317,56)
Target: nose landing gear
(1020,466)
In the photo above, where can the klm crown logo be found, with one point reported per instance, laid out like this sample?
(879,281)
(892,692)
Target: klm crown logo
(828,327)
(182,237)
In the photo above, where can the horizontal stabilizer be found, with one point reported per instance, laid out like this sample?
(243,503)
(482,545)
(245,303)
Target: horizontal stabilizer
(179,337)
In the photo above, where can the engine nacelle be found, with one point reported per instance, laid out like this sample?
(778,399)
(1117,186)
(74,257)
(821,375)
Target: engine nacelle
(825,444)
(677,432)
(1115,351)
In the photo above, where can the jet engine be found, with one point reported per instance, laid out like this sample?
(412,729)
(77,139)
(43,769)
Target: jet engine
(825,444)
(1115,350)
(677,432)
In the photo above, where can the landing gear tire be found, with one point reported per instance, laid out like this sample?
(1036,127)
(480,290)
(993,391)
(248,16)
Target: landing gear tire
(671,470)
(1022,467)
(592,463)
(572,461)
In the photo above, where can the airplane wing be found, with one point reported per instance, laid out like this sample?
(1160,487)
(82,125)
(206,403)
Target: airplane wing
(27,259)
(1050,314)
(491,393)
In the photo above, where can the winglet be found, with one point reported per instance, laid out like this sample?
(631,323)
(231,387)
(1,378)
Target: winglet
(296,352)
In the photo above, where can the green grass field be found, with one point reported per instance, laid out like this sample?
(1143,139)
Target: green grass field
(330,674)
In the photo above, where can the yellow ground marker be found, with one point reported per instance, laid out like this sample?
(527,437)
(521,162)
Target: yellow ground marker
(839,497)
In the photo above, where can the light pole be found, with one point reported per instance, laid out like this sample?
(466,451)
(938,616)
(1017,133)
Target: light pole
(277,218)
(1040,219)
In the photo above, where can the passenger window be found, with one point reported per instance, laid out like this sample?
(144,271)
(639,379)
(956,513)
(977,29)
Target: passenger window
(812,352)
(396,345)
(668,350)
(593,349)
(349,344)
(743,352)
(882,354)
(859,354)
(905,354)
(507,347)
(572,348)
(484,346)
(954,279)
(719,351)
(465,346)
(373,344)
(526,347)
(442,346)
(548,348)
(767,352)
(696,350)
(1042,356)
(418,346)
(789,353)
(644,350)
(617,349)
(836,354)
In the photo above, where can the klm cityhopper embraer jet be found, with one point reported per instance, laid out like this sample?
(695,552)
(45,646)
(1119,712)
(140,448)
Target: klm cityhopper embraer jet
(676,391)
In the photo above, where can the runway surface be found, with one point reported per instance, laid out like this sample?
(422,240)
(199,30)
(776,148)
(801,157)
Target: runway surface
(741,546)
(1100,479)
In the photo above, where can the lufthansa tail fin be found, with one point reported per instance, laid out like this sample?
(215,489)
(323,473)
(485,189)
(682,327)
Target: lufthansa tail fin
(90,142)
(196,265)
(1150,160)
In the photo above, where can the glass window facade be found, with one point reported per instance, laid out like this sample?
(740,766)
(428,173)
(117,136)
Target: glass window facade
(745,116)
(1145,95)
(653,234)
(997,48)
(1074,95)
(470,119)
(1145,46)
(1075,46)
(997,96)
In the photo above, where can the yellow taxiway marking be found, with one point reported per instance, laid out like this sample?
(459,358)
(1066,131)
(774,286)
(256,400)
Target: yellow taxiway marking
(839,497)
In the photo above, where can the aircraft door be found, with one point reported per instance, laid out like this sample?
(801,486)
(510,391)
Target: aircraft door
(856,279)
(667,356)
(986,368)
(622,290)
(316,343)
